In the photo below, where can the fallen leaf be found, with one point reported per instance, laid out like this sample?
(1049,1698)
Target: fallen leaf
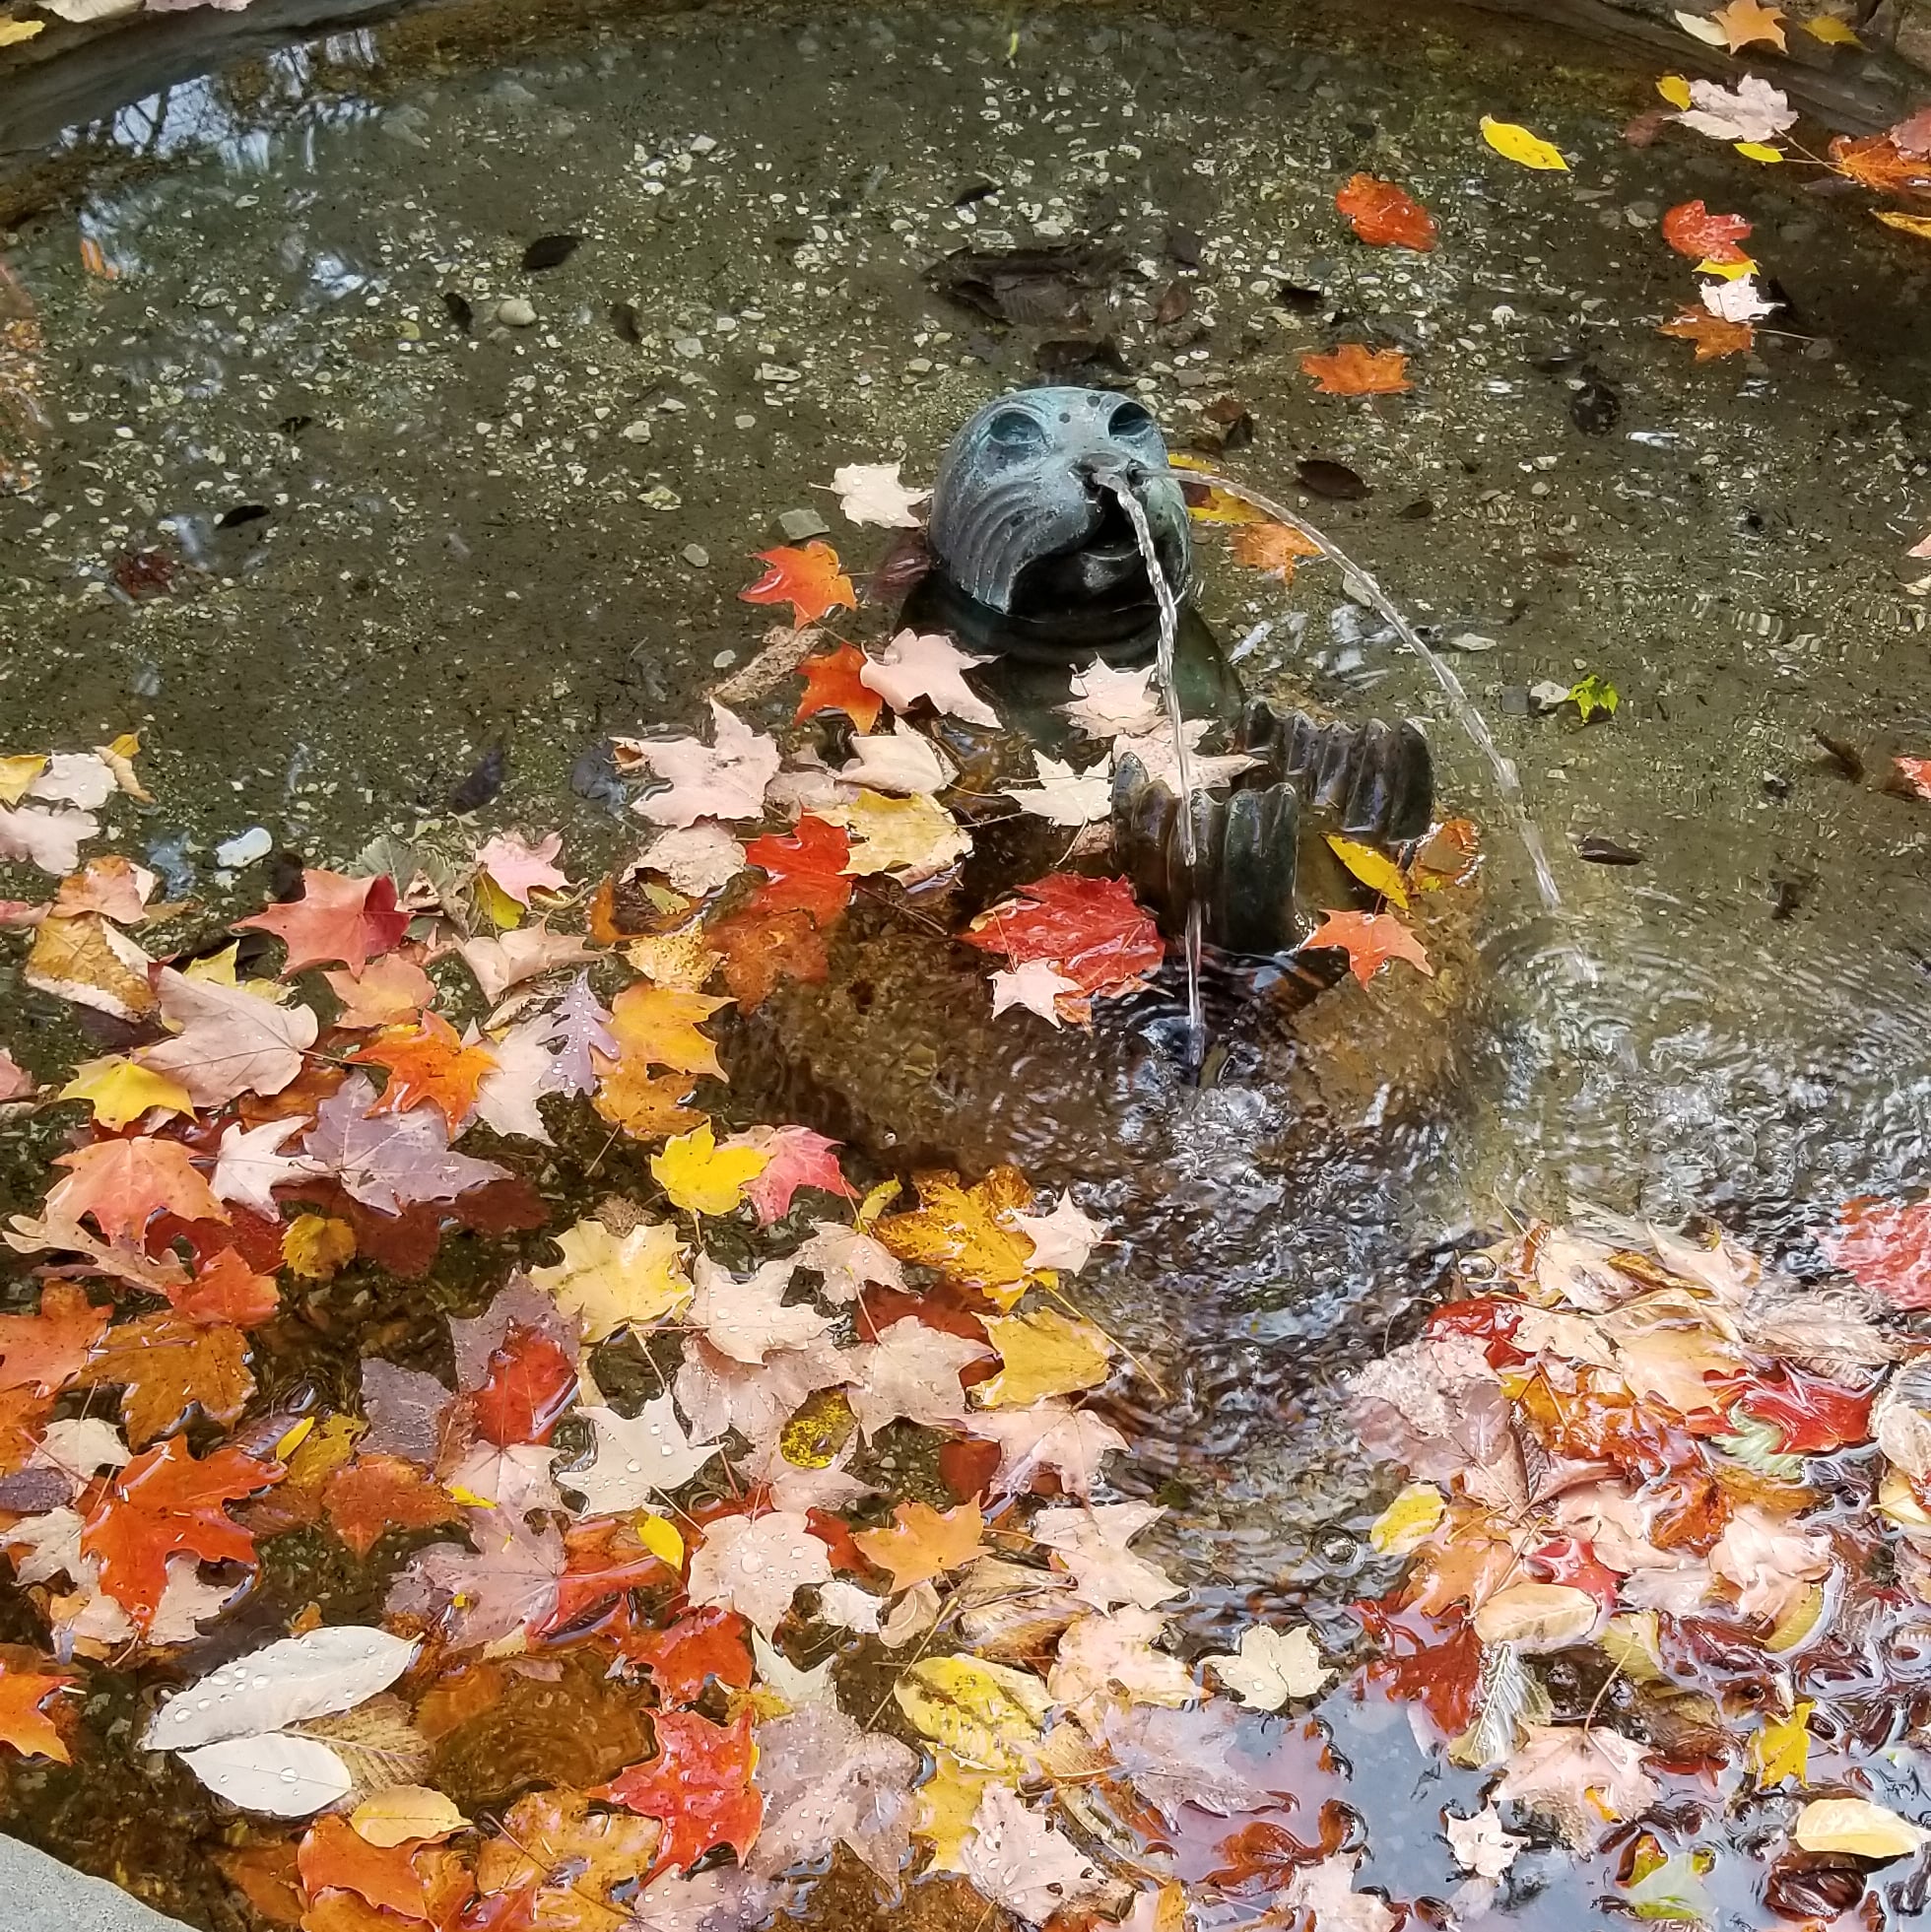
(657,1027)
(1385,215)
(120,1092)
(698,859)
(1517,144)
(1781,1747)
(1691,230)
(554,1865)
(1276,547)
(334,1856)
(166,1368)
(1016,1859)
(1856,1827)
(428,1065)
(825,1781)
(913,838)
(377,1493)
(1327,1891)
(966,1233)
(1090,930)
(1914,774)
(760,947)
(518,868)
(228,1040)
(25,1724)
(92,964)
(755,1565)
(899,760)
(1370,940)
(1375,870)
(1886,1248)
(832,683)
(799,1157)
(1354,370)
(1480,1845)
(985,1713)
(1712,335)
(701,1177)
(165,1501)
(386,1161)
(124,1183)
(1578,1777)
(805,870)
(1745,22)
(637,1457)
(811,580)
(697,1787)
(1917,225)
(1271,1666)
(1071,1443)
(1107,702)
(927,667)
(1752,110)
(871,492)
(1043,1353)
(725,779)
(1092,1543)
(336,919)
(922,1543)
(51,840)
(911,1373)
(614,1282)
(1039,987)
(317,1247)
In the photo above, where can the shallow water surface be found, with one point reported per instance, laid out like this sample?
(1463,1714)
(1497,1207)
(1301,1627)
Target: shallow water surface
(387,529)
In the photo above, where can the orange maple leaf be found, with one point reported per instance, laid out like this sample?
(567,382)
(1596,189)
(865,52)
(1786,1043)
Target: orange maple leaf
(23,1723)
(1355,369)
(124,1183)
(389,992)
(1370,940)
(1877,161)
(166,1365)
(832,685)
(1915,773)
(165,1502)
(922,1543)
(811,580)
(1385,215)
(376,1494)
(44,1352)
(806,868)
(1272,546)
(646,1107)
(427,1064)
(1711,334)
(23,1415)
(1745,22)
(657,1026)
(334,1857)
(335,918)
(760,947)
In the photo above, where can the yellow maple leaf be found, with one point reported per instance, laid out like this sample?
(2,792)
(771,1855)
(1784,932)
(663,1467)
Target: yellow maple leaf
(948,1801)
(1207,502)
(914,835)
(1781,1749)
(1043,1353)
(1676,91)
(966,1232)
(17,774)
(678,959)
(119,1091)
(92,963)
(629,1280)
(924,1543)
(701,1177)
(1831,30)
(1408,1521)
(496,905)
(1375,870)
(1917,225)
(657,1027)
(316,1246)
(987,1714)
(1518,145)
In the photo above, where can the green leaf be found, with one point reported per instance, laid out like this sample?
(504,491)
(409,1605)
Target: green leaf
(1591,695)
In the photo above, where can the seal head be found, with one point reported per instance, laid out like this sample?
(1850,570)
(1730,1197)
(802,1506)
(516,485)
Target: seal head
(1025,526)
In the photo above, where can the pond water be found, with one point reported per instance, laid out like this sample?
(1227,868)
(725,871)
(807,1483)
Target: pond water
(337,499)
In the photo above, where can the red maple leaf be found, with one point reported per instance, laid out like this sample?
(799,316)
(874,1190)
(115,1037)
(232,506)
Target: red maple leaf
(1691,230)
(800,1157)
(336,919)
(832,683)
(124,1183)
(334,1856)
(1093,930)
(165,1503)
(1370,940)
(1816,1416)
(47,1351)
(1886,1246)
(1385,215)
(683,1659)
(529,1384)
(1573,1561)
(811,580)
(1419,1665)
(806,870)
(697,1787)
(603,1560)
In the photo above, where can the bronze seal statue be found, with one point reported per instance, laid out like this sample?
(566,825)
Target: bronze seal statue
(1038,569)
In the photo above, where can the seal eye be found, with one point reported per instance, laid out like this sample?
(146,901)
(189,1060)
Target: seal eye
(1129,420)
(1014,432)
